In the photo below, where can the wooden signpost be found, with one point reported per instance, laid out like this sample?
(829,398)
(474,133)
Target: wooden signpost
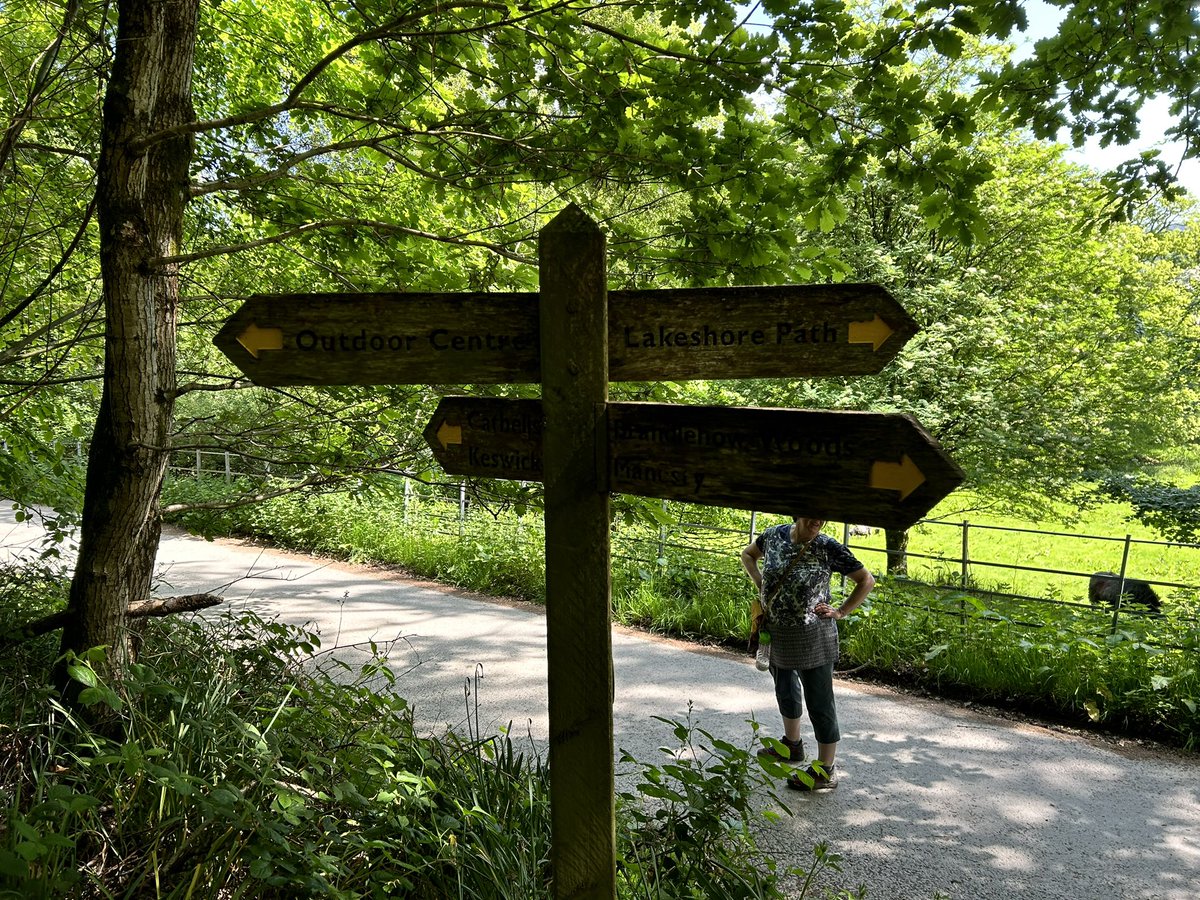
(572,276)
(880,469)
(574,337)
(666,335)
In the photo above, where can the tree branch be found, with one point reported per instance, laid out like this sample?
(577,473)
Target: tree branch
(158,607)
(41,81)
(367,224)
(260,497)
(281,171)
(56,268)
(392,28)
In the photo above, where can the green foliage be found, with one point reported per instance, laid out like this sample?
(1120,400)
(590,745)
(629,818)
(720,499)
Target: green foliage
(39,468)
(246,760)
(1075,82)
(28,591)
(424,537)
(1040,343)
(689,828)
(231,768)
(1065,660)
(1172,511)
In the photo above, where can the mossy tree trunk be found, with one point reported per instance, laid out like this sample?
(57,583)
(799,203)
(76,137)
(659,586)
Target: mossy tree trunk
(142,191)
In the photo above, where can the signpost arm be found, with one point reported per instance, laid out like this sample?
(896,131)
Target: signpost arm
(574,367)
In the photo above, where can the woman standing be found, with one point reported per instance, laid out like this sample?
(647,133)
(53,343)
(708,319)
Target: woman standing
(798,562)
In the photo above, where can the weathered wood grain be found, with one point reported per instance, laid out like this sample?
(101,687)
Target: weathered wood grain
(667,335)
(578,618)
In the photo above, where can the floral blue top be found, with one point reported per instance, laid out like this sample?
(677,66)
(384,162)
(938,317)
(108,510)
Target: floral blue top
(799,639)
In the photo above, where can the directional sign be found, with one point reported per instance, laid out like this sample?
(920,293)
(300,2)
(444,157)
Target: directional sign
(384,338)
(754,332)
(655,335)
(880,469)
(488,437)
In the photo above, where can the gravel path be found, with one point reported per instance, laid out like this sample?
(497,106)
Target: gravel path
(936,799)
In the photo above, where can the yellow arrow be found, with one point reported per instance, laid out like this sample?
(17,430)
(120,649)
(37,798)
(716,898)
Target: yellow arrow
(255,339)
(874,332)
(903,476)
(449,434)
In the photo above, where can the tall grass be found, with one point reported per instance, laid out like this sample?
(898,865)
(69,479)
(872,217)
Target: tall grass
(379,528)
(1060,661)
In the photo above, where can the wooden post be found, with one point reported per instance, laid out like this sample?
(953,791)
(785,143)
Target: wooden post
(660,561)
(462,509)
(845,542)
(574,365)
(966,555)
(1121,586)
(965,572)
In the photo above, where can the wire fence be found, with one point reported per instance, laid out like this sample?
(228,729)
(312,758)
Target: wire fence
(697,549)
(952,556)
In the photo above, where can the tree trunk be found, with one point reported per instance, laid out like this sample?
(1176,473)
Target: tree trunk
(897,551)
(142,191)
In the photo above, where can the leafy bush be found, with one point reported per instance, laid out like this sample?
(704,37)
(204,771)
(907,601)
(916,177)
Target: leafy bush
(40,468)
(1172,511)
(1066,660)
(244,764)
(689,827)
(372,528)
(242,759)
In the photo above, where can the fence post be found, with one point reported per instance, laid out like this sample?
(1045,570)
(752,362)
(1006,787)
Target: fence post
(964,572)
(845,542)
(661,560)
(753,525)
(966,555)
(228,468)
(407,497)
(197,464)
(1121,584)
(462,509)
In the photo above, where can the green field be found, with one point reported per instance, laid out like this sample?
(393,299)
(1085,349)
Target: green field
(1010,557)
